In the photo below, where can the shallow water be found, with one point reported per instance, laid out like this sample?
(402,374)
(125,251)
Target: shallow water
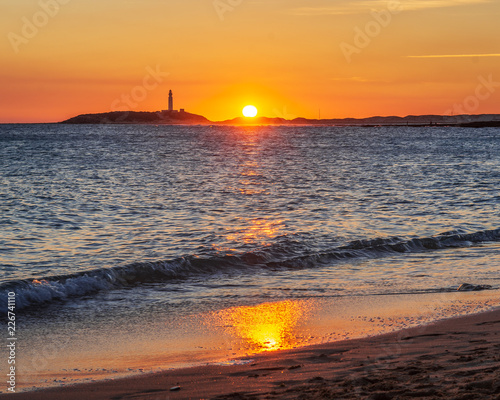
(107,229)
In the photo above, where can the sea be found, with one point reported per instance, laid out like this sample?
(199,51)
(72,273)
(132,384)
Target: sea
(131,249)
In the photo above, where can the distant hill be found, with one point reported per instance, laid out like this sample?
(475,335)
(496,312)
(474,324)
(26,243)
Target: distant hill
(139,117)
(255,121)
(410,120)
(185,118)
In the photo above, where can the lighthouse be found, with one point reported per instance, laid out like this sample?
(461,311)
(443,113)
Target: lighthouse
(170,111)
(170,101)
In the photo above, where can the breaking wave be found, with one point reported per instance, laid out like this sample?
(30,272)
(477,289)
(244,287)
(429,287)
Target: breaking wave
(37,292)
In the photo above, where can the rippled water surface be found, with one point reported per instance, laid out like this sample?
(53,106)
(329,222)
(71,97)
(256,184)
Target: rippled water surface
(134,247)
(187,202)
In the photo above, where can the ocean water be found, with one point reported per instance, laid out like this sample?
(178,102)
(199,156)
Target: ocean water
(152,238)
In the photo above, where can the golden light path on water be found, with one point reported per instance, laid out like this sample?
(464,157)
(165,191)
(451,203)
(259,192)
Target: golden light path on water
(257,231)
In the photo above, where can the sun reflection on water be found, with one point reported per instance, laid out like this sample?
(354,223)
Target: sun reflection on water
(257,231)
(265,327)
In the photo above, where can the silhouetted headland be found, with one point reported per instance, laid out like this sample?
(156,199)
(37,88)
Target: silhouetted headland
(139,117)
(185,118)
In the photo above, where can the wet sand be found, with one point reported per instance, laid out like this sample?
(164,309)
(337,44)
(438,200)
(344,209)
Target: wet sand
(457,358)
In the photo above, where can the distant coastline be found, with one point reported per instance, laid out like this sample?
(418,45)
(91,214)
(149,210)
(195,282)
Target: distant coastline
(185,118)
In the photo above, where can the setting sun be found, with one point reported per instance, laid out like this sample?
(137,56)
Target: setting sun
(250,111)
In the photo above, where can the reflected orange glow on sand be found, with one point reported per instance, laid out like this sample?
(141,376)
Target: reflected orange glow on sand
(266,327)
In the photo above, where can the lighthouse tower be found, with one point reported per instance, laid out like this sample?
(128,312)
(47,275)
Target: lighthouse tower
(170,101)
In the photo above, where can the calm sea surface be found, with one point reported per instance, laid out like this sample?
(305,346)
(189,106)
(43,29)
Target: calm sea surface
(155,220)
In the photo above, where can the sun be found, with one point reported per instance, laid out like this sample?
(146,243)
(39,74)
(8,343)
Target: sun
(250,111)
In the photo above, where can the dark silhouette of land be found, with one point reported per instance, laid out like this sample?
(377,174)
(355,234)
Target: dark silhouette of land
(139,117)
(185,118)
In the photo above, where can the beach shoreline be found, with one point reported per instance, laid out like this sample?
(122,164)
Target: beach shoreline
(452,358)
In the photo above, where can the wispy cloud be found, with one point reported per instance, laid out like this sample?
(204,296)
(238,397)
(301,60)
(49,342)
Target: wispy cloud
(359,79)
(455,55)
(343,7)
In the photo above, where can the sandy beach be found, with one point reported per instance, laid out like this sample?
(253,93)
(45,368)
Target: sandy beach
(456,358)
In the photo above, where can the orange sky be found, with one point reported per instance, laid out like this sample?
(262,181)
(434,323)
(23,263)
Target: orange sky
(287,57)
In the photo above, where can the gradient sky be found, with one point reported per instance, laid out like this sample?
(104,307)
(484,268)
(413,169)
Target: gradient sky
(287,57)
